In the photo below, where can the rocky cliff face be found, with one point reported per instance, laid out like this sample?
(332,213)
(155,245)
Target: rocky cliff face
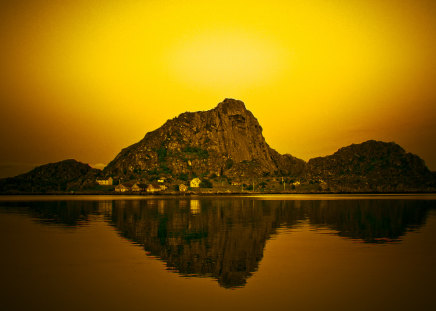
(225,140)
(59,176)
(371,166)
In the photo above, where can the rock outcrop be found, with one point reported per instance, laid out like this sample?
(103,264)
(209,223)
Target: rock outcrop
(226,140)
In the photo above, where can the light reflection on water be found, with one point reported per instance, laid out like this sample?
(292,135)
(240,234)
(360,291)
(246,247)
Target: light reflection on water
(224,239)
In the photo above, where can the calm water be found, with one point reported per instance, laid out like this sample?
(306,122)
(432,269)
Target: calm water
(233,253)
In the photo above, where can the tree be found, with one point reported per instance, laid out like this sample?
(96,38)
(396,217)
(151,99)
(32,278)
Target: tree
(205,183)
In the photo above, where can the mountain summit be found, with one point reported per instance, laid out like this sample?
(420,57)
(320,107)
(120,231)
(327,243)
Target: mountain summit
(226,140)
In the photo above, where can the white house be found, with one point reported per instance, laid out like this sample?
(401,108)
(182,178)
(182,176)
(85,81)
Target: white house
(105,182)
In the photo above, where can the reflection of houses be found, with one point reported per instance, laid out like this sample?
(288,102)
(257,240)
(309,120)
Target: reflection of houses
(105,207)
(195,207)
(105,182)
(195,183)
(183,187)
(297,183)
(122,188)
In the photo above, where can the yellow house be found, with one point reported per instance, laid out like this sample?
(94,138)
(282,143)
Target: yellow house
(195,183)
(105,182)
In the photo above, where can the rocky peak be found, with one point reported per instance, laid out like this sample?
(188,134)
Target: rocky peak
(224,140)
(231,106)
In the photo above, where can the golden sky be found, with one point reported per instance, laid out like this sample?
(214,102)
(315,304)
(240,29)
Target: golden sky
(84,79)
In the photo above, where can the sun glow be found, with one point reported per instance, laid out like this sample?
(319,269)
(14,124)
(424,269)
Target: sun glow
(227,60)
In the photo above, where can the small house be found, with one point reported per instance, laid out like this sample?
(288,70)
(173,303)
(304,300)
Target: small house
(122,188)
(105,182)
(155,188)
(161,180)
(195,183)
(137,187)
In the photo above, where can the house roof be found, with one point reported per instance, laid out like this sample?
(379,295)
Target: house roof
(103,178)
(154,185)
(128,184)
(121,186)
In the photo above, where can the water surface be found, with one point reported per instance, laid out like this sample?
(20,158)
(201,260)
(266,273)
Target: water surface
(191,253)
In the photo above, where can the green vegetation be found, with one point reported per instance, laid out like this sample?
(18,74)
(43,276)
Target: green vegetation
(163,168)
(161,154)
(196,152)
(183,176)
(205,183)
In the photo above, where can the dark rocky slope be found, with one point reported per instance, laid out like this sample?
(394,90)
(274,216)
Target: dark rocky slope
(60,176)
(372,166)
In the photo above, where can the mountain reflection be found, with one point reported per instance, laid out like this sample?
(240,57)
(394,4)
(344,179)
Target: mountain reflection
(62,213)
(220,239)
(371,221)
(225,238)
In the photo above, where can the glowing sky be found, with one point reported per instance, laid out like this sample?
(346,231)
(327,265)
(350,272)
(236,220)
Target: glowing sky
(84,79)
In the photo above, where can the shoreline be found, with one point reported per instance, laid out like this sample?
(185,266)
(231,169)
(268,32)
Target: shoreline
(190,194)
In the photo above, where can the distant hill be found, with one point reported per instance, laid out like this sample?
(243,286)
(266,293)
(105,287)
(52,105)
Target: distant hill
(372,166)
(52,177)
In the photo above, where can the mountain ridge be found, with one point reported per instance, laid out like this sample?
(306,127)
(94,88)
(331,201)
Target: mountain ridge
(225,146)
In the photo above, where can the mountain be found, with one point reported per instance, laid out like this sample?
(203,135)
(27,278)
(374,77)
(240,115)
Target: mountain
(60,176)
(225,147)
(372,166)
(226,140)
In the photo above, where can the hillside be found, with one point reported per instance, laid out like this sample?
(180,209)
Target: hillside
(372,166)
(60,176)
